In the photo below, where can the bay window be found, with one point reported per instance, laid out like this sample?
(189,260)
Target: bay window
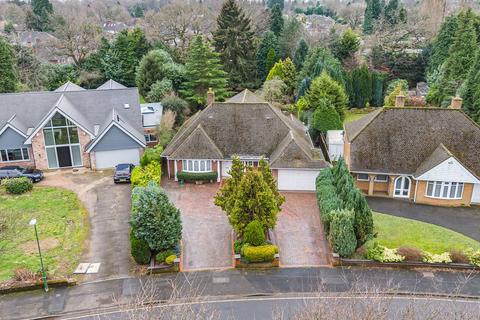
(197,165)
(11,155)
(444,190)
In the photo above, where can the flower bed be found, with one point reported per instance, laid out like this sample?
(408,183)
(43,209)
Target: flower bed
(166,261)
(255,257)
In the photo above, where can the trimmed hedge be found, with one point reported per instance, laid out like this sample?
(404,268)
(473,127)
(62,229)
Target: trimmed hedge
(141,176)
(254,233)
(17,185)
(342,235)
(140,250)
(197,176)
(264,253)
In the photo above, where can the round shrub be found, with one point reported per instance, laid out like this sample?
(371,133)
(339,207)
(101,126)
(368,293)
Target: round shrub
(264,253)
(170,259)
(17,185)
(342,235)
(254,233)
(162,255)
(140,250)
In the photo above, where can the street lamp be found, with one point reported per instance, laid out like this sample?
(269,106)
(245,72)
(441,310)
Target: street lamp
(33,223)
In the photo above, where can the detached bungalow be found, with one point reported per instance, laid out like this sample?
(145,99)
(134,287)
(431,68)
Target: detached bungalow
(426,155)
(248,127)
(71,127)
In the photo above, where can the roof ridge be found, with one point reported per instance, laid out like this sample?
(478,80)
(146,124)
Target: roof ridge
(378,112)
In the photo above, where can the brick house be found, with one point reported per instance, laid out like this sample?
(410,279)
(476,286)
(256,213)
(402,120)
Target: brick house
(425,155)
(71,127)
(248,127)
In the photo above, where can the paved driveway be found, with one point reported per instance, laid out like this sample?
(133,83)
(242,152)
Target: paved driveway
(108,205)
(462,220)
(206,231)
(299,232)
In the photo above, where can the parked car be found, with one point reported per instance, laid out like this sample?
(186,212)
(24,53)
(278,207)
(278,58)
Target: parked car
(17,172)
(123,172)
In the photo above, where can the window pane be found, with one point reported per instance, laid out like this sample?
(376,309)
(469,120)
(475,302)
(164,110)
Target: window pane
(195,165)
(438,186)
(406,183)
(58,120)
(61,136)
(190,165)
(25,154)
(460,190)
(209,165)
(445,189)
(52,158)
(430,188)
(398,183)
(362,176)
(76,156)
(3,155)
(48,136)
(453,190)
(73,132)
(14,154)
(202,165)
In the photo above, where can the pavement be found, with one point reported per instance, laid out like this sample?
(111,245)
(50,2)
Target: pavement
(460,219)
(121,294)
(108,205)
(299,232)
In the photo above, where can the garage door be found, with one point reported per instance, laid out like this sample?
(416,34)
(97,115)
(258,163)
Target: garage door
(297,180)
(109,159)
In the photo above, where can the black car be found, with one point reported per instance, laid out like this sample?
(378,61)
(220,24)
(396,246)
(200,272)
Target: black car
(123,172)
(17,172)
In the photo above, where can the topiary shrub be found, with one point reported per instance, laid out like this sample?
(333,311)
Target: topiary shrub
(162,255)
(170,259)
(197,176)
(17,185)
(254,233)
(264,253)
(342,236)
(140,250)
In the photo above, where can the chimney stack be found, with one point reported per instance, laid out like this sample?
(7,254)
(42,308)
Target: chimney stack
(400,101)
(456,103)
(210,96)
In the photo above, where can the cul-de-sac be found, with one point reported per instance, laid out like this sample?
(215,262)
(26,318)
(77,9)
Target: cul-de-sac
(239,159)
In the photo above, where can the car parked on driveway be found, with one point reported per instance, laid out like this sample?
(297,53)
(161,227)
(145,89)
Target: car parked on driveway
(17,172)
(123,172)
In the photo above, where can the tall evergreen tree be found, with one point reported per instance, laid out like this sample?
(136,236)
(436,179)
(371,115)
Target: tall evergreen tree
(325,87)
(324,118)
(272,3)
(234,41)
(287,40)
(378,89)
(267,43)
(319,60)
(346,45)
(8,74)
(276,20)
(471,88)
(285,71)
(42,11)
(373,11)
(361,87)
(203,70)
(300,53)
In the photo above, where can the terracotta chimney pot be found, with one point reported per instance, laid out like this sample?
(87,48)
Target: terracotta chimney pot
(456,103)
(210,96)
(400,101)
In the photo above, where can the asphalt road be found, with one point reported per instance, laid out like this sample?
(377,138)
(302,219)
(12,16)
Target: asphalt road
(301,307)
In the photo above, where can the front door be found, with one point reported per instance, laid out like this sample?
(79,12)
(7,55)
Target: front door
(402,187)
(64,157)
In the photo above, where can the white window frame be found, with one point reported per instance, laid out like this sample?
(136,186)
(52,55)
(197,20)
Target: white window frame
(195,165)
(382,181)
(149,136)
(360,179)
(21,152)
(445,187)
(401,195)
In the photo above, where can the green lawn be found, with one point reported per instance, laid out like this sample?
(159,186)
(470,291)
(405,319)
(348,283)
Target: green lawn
(395,232)
(62,225)
(352,115)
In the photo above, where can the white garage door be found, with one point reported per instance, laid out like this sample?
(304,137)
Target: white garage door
(297,180)
(109,159)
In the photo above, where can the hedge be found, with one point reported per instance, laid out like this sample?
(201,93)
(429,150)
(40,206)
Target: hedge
(264,253)
(141,176)
(342,235)
(197,176)
(17,185)
(140,250)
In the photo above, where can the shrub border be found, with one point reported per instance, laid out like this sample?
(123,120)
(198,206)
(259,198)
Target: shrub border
(239,263)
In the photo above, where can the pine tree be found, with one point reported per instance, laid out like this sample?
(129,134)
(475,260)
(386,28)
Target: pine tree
(8,78)
(276,20)
(372,13)
(288,38)
(324,118)
(320,60)
(272,3)
(271,58)
(285,71)
(392,12)
(234,41)
(471,87)
(361,87)
(378,89)
(225,195)
(441,44)
(42,11)
(346,45)
(203,70)
(271,181)
(268,42)
(300,54)
(325,87)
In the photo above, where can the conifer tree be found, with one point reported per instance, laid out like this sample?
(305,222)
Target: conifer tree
(271,181)
(271,58)
(301,53)
(346,45)
(8,74)
(319,60)
(288,38)
(272,3)
(285,71)
(470,89)
(325,87)
(203,70)
(372,13)
(276,20)
(361,87)
(378,89)
(268,42)
(234,41)
(42,11)
(225,195)
(324,118)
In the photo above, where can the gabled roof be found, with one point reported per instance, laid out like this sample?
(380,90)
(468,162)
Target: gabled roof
(111,84)
(407,140)
(248,128)
(246,96)
(439,155)
(69,86)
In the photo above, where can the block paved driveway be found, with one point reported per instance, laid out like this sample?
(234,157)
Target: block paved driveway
(108,206)
(299,232)
(207,233)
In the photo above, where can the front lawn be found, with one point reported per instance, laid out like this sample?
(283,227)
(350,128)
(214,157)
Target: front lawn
(395,232)
(62,226)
